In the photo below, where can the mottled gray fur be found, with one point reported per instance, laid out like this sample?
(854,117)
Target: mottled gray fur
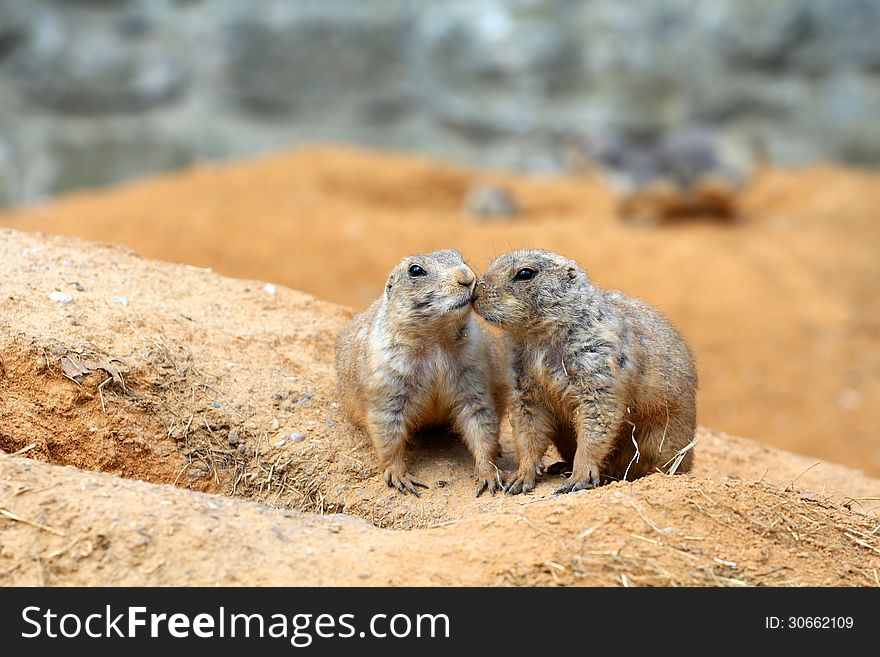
(417,358)
(596,372)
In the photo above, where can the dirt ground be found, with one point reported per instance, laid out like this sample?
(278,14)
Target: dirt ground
(781,306)
(218,395)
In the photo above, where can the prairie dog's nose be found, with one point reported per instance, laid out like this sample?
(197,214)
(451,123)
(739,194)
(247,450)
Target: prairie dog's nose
(465,276)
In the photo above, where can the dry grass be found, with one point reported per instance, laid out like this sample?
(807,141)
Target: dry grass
(231,447)
(225,440)
(670,556)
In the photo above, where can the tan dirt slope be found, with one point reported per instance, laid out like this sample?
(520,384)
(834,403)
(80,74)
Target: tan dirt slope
(226,386)
(781,307)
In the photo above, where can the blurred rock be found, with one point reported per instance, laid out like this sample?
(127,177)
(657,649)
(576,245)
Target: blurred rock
(484,69)
(89,154)
(6,172)
(755,34)
(288,56)
(93,91)
(14,24)
(843,36)
(85,70)
(485,48)
(490,202)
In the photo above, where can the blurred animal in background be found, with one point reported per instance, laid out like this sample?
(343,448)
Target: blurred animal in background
(685,171)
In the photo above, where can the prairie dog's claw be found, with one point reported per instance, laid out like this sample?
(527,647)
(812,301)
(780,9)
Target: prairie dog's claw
(405,482)
(493,483)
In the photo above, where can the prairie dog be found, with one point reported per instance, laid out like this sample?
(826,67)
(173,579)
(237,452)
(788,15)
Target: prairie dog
(596,372)
(690,170)
(418,357)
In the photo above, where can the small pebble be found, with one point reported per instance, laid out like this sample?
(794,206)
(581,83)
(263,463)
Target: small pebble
(215,404)
(197,470)
(140,540)
(270,289)
(297,437)
(330,423)
(490,202)
(281,443)
(61,297)
(849,399)
(122,300)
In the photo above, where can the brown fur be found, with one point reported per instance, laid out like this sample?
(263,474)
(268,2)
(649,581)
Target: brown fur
(594,370)
(417,358)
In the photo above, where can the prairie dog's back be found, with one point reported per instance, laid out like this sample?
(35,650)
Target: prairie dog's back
(351,355)
(665,349)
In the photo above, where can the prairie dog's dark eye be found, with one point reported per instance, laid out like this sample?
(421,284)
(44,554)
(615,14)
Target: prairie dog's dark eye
(415,270)
(525,274)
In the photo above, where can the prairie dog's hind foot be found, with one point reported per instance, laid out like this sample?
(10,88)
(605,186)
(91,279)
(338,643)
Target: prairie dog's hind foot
(584,475)
(572,485)
(523,481)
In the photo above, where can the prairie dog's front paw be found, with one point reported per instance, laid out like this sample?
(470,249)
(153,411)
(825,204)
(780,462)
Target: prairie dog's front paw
(489,477)
(397,477)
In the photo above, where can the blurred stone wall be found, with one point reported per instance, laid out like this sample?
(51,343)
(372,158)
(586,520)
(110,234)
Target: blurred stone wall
(97,91)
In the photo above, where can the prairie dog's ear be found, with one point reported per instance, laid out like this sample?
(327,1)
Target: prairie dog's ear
(388,285)
(575,274)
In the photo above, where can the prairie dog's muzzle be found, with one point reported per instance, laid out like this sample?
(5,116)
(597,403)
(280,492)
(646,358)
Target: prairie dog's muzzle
(465,277)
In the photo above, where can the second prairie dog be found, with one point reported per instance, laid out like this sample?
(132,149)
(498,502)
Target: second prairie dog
(596,372)
(417,358)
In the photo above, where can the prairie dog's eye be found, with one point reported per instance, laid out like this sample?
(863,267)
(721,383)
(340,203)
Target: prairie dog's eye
(525,274)
(415,270)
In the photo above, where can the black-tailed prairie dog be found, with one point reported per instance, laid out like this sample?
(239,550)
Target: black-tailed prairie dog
(417,358)
(603,376)
(687,171)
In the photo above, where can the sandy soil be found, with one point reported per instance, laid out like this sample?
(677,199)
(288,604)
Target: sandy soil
(214,376)
(780,306)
